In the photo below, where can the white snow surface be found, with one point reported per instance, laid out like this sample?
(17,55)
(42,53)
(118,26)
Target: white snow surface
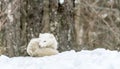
(61,1)
(85,59)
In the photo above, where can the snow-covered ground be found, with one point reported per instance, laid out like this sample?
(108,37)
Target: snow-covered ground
(85,59)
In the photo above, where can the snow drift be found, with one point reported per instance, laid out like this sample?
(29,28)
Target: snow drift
(85,59)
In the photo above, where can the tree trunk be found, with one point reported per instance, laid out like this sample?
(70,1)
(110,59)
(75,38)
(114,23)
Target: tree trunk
(45,18)
(78,25)
(12,28)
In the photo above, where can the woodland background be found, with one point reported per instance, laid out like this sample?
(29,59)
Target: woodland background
(77,24)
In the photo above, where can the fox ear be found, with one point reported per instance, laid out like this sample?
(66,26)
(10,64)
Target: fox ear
(51,36)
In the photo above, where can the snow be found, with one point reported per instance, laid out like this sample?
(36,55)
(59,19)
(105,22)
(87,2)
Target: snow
(85,59)
(77,1)
(61,1)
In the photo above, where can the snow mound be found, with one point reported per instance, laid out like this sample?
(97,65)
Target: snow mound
(85,59)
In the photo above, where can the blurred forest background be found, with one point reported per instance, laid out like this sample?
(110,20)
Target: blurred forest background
(77,24)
